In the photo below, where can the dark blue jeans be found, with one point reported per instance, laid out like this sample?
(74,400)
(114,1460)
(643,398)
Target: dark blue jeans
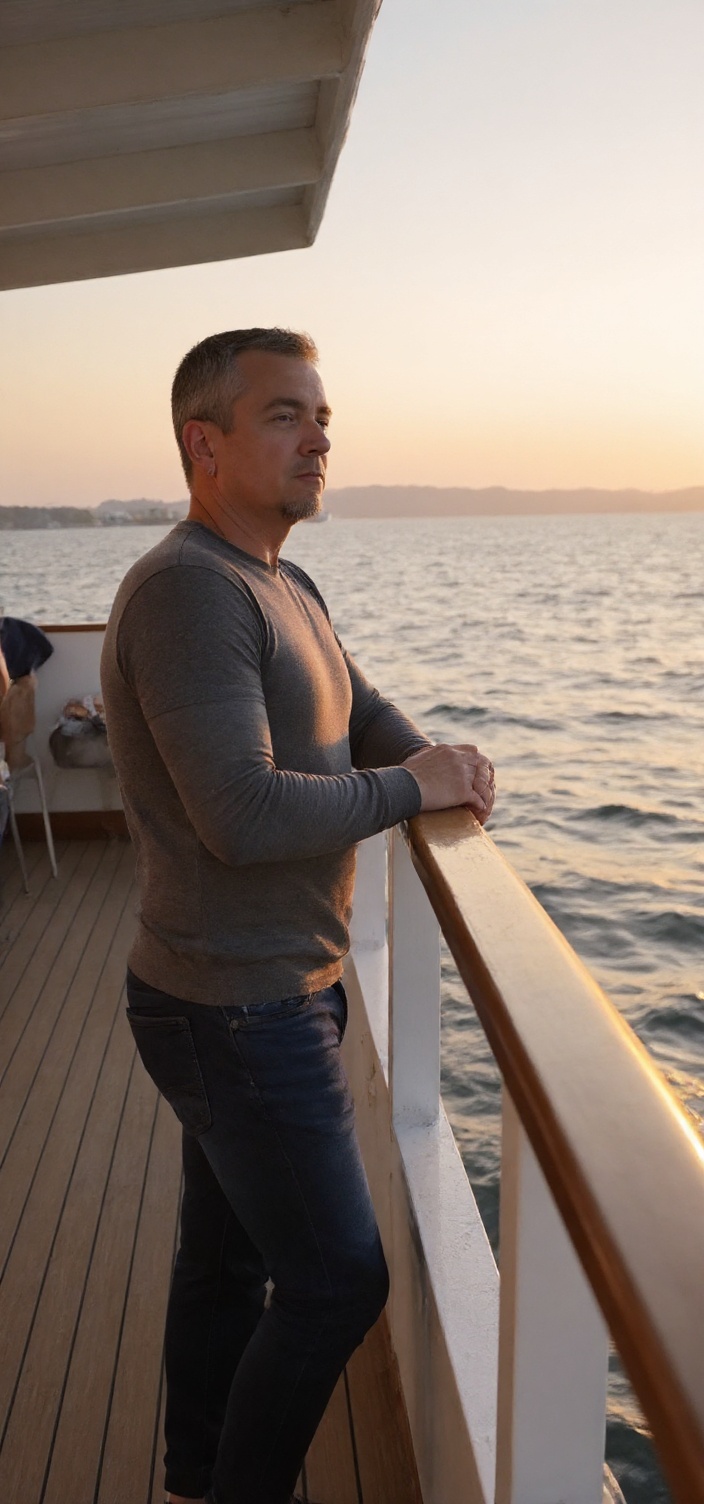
(274,1186)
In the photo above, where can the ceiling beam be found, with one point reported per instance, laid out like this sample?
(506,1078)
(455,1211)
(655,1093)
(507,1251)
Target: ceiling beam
(336,101)
(137,180)
(241,51)
(23,20)
(149,247)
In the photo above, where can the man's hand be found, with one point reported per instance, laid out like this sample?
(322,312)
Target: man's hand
(448,776)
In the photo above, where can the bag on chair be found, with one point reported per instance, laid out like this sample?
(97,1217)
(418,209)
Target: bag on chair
(79,738)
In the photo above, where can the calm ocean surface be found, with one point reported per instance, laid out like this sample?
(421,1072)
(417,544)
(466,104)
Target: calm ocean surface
(571,650)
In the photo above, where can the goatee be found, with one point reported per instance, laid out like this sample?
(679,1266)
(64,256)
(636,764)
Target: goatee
(298,511)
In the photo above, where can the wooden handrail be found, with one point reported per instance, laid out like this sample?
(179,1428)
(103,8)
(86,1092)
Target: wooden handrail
(625,1166)
(74,626)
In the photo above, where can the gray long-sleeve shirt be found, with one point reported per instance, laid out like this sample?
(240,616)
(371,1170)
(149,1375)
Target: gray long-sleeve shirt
(252,755)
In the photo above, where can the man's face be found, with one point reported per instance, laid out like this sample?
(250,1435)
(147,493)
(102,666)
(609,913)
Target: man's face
(275,457)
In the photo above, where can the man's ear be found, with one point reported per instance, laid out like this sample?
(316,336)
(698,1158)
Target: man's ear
(196,442)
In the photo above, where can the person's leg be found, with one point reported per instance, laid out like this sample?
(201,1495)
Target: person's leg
(217,1297)
(264,1089)
(302,1192)
(219,1281)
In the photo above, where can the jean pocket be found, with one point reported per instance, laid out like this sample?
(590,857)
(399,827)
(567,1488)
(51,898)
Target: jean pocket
(256,1015)
(168,1054)
(339,989)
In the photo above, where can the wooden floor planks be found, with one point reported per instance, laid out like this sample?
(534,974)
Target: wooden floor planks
(33,916)
(46,1119)
(86,1398)
(135,1401)
(57,987)
(89,1186)
(16,905)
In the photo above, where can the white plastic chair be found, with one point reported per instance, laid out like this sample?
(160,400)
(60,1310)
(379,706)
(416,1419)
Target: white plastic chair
(32,768)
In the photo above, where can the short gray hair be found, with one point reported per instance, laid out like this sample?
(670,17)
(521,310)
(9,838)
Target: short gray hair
(208,379)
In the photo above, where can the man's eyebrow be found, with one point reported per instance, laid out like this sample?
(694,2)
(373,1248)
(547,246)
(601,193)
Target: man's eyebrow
(297,405)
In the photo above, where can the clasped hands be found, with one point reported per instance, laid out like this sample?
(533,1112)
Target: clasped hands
(450,776)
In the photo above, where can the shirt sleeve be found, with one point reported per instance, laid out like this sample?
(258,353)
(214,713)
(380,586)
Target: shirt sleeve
(190,648)
(380,733)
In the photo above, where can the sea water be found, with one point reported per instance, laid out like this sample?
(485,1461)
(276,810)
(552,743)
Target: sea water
(571,650)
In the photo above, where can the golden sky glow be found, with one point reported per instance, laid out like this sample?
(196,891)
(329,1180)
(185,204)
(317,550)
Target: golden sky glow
(507,289)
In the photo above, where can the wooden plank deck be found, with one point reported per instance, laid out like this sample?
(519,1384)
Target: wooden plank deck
(89,1187)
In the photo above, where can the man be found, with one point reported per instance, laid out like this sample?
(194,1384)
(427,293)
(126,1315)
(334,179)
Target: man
(252,756)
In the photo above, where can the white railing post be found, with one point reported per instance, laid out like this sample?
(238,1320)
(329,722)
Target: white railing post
(414,993)
(553,1345)
(368,924)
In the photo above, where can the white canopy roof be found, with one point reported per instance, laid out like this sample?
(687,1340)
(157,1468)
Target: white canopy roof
(138,134)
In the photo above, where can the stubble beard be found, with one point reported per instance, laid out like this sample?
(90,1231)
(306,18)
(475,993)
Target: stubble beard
(298,511)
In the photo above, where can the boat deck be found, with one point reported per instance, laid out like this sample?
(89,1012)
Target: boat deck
(89,1185)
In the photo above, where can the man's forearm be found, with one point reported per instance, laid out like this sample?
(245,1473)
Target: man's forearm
(381,735)
(245,810)
(389,737)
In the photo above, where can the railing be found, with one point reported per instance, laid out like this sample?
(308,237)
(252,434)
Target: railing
(602,1182)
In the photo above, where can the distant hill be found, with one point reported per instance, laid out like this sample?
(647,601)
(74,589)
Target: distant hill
(497,501)
(381,501)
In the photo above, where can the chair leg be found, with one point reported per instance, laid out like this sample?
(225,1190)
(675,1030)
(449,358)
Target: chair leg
(18,846)
(45,816)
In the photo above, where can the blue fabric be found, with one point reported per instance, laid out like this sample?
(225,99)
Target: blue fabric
(274,1185)
(24,646)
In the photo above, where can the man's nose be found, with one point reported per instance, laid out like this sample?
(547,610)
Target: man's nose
(315,440)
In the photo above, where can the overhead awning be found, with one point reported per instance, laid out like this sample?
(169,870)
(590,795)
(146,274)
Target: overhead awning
(140,134)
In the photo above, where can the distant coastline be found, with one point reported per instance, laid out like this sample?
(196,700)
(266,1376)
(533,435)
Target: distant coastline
(139,513)
(381,501)
(499,501)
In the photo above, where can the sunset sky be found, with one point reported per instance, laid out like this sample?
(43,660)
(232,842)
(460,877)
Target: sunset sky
(507,289)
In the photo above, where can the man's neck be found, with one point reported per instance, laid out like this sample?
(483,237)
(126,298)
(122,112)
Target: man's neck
(238,528)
